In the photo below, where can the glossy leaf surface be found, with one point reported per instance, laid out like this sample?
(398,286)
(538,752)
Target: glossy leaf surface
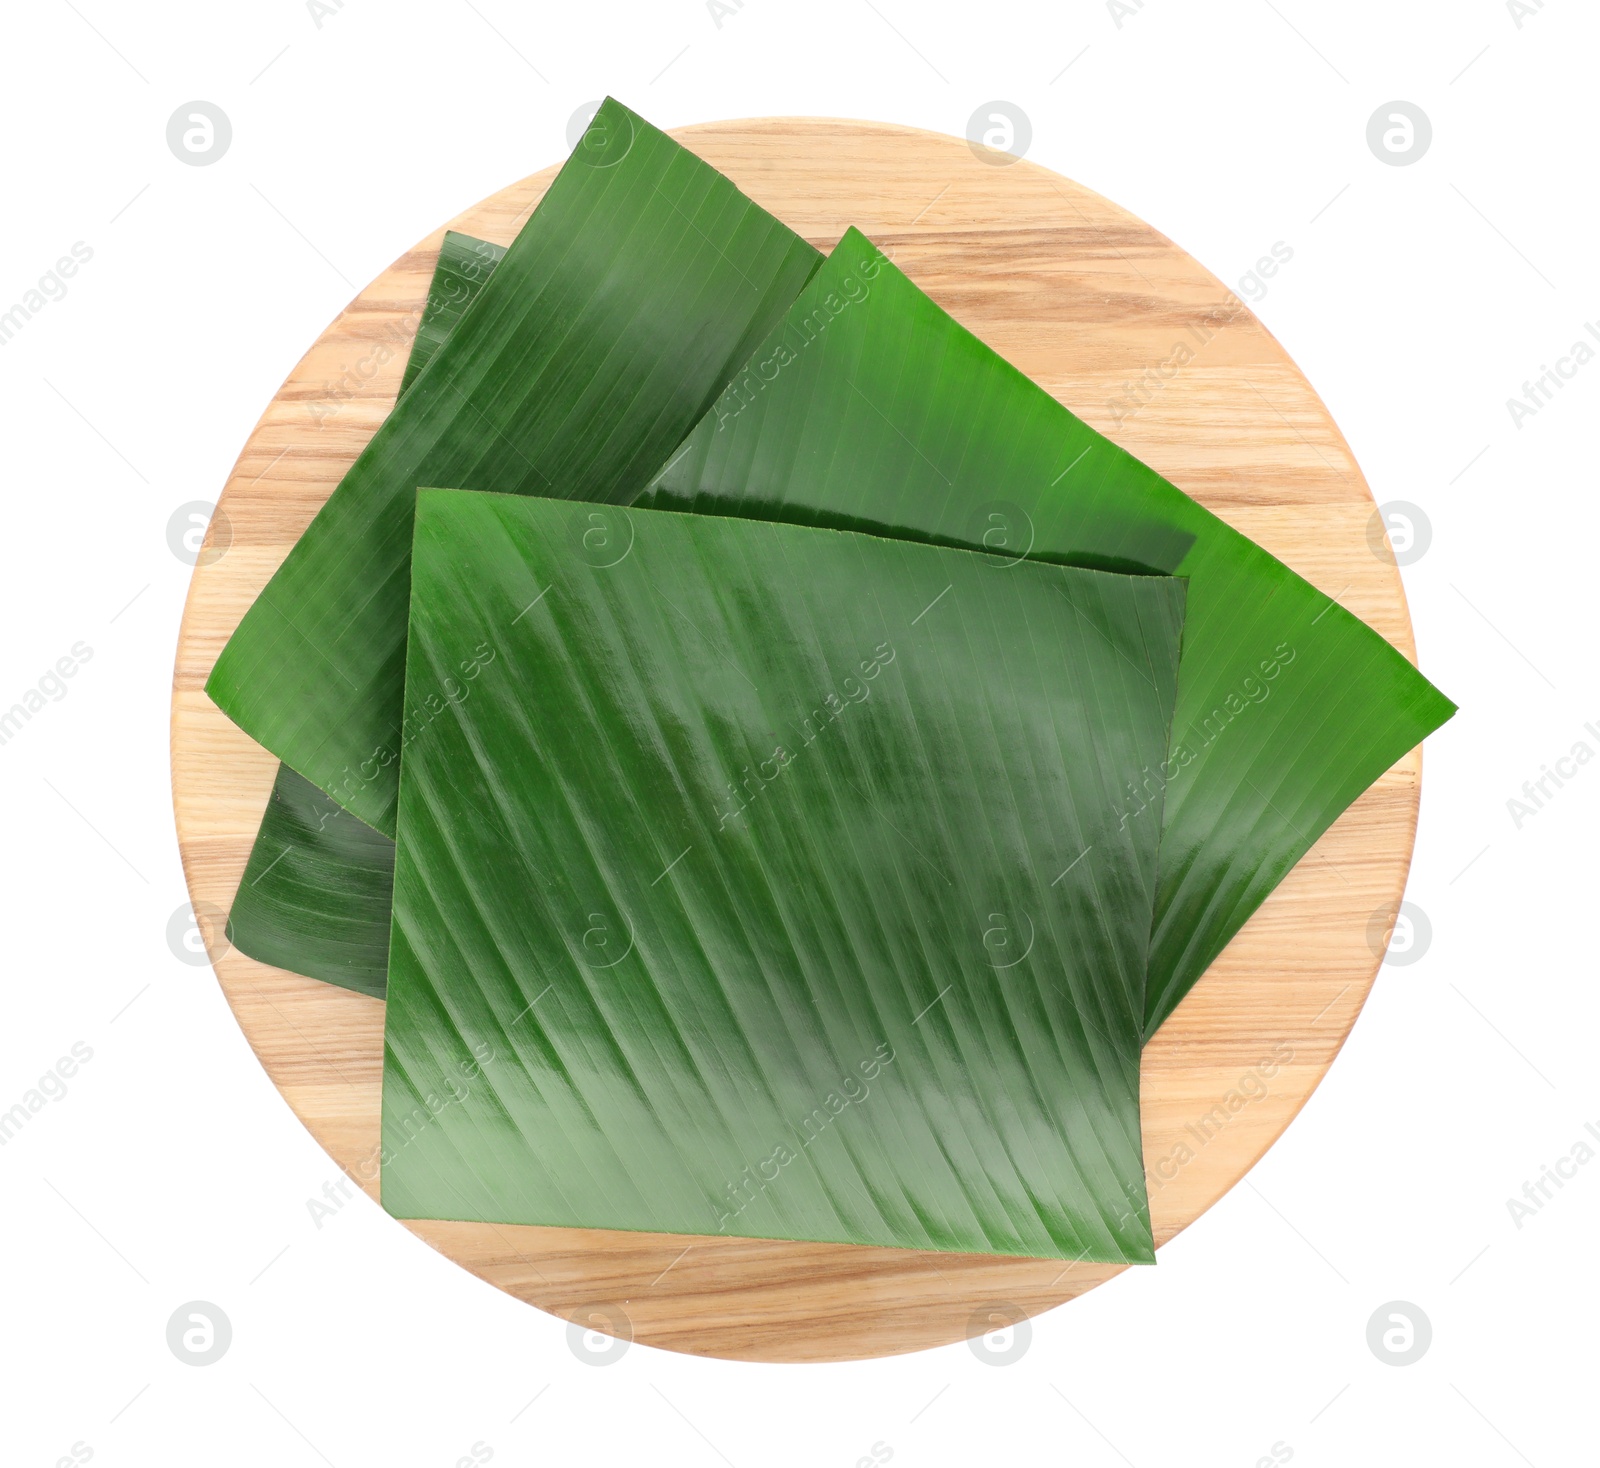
(315,895)
(640,282)
(769,880)
(871,408)
(464,264)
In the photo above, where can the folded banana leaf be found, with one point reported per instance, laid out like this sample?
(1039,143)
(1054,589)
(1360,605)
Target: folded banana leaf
(771,881)
(315,895)
(870,408)
(640,282)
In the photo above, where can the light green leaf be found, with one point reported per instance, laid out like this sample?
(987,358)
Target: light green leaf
(771,881)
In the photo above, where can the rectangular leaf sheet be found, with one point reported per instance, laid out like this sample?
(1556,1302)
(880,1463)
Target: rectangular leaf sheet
(869,407)
(642,279)
(772,881)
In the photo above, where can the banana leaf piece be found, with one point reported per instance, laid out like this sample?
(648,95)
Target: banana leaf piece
(465,263)
(640,282)
(869,407)
(773,881)
(316,893)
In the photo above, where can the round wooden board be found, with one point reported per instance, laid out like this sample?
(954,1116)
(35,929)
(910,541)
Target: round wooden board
(1082,297)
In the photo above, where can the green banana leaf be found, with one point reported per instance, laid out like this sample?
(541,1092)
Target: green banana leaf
(870,408)
(1243,810)
(771,881)
(465,263)
(315,895)
(638,285)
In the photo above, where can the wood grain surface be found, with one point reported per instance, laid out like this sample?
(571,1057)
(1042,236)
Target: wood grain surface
(1082,297)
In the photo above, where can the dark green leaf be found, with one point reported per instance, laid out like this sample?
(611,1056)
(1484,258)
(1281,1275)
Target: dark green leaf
(772,881)
(464,265)
(640,282)
(316,893)
(315,896)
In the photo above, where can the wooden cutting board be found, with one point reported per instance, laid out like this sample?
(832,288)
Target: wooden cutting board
(1082,297)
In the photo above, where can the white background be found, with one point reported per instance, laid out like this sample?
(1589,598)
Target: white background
(1418,301)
